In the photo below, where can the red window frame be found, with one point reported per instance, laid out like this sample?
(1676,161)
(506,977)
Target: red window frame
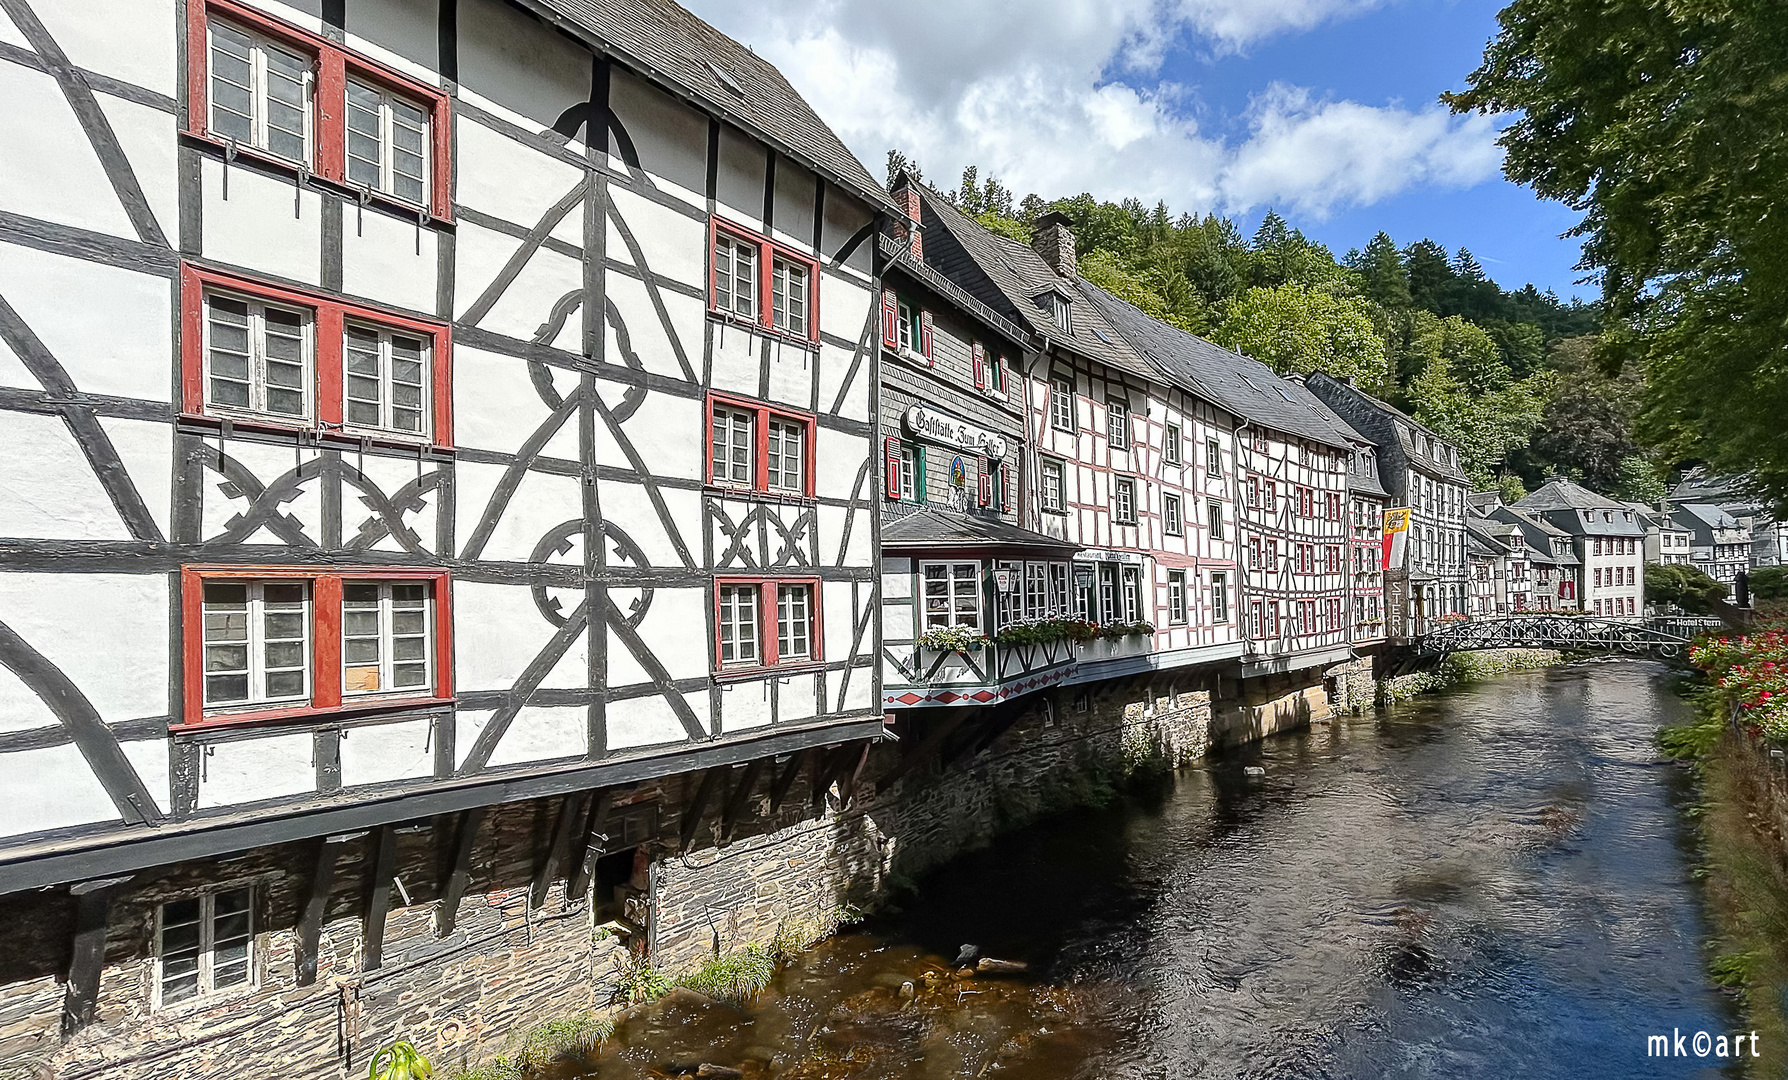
(768,251)
(329,316)
(329,125)
(760,462)
(325,674)
(768,643)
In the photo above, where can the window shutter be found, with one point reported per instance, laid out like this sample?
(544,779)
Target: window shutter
(985,485)
(919,491)
(980,364)
(925,334)
(890,317)
(891,457)
(999,377)
(1005,487)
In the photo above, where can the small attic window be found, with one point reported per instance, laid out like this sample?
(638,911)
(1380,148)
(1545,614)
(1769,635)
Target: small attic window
(725,80)
(1101,335)
(1059,311)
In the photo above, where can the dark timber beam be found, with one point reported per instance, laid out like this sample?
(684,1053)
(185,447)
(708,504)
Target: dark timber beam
(87,959)
(853,776)
(779,789)
(595,846)
(826,764)
(316,909)
(555,852)
(378,900)
(460,874)
(741,795)
(932,740)
(692,815)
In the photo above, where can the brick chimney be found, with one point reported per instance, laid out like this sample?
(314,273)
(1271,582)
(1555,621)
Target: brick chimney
(909,232)
(1053,239)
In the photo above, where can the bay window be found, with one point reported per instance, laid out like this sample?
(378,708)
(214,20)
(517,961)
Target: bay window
(951,594)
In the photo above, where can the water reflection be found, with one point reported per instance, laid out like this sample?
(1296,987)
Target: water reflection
(1490,882)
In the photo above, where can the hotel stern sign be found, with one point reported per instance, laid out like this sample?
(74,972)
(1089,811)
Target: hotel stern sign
(926,423)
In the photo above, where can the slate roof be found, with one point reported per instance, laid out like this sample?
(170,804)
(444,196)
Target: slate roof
(935,528)
(1362,475)
(1539,533)
(1563,501)
(1403,424)
(899,254)
(1482,544)
(1712,516)
(1561,494)
(668,44)
(1239,383)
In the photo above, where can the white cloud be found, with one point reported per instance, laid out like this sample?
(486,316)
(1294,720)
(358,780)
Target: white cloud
(1064,96)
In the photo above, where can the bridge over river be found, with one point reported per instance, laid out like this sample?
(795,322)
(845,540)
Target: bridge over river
(1665,637)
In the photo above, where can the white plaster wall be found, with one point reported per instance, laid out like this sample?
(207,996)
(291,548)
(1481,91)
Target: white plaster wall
(675,631)
(47,489)
(268,462)
(631,508)
(51,788)
(527,302)
(666,431)
(833,548)
(859,693)
(538,734)
(10,33)
(844,216)
(20,709)
(844,306)
(648,721)
(674,245)
(839,458)
(146,447)
(388,259)
(645,331)
(495,406)
(498,632)
(380,752)
(58,613)
(672,139)
(149,757)
(250,770)
(256,228)
(744,704)
(841,617)
(794,205)
(797,700)
(132,40)
(507,179)
(147,136)
(122,347)
(401,33)
(734,355)
(739,188)
(540,502)
(792,373)
(518,64)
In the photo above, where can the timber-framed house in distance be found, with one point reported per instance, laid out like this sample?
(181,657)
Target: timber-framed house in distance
(442,487)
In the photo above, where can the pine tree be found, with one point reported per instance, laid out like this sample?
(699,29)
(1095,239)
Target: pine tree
(1386,282)
(968,197)
(1429,273)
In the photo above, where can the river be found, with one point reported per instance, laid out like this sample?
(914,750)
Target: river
(1493,881)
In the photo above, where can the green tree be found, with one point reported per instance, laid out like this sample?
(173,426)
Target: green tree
(1683,585)
(1639,480)
(1430,275)
(1381,266)
(1661,120)
(1293,328)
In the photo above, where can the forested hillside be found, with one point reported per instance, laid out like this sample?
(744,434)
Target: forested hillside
(1510,376)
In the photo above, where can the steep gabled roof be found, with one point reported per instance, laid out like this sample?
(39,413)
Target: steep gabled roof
(669,45)
(1712,516)
(1559,493)
(1240,384)
(1539,534)
(1401,423)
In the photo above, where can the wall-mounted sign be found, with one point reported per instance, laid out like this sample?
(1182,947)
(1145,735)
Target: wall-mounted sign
(1002,579)
(928,423)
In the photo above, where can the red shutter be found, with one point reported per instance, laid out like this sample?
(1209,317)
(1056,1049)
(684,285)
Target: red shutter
(985,486)
(925,334)
(891,456)
(980,363)
(890,317)
(1006,487)
(1000,372)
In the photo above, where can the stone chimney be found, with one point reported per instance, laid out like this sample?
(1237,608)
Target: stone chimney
(908,232)
(1053,239)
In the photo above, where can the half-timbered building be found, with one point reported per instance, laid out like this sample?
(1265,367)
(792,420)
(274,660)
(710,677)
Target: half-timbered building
(1367,503)
(441,484)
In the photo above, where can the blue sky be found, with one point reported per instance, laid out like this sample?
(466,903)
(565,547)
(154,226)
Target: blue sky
(1323,109)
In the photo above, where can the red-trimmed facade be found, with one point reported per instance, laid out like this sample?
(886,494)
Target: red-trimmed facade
(768,251)
(767,626)
(763,413)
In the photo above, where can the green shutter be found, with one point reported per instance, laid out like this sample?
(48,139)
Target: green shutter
(919,490)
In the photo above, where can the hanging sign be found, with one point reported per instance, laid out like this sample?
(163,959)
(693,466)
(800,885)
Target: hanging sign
(1002,578)
(1396,537)
(927,423)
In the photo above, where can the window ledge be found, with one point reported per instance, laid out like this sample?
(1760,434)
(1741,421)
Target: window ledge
(788,498)
(300,171)
(750,326)
(275,717)
(323,435)
(746,674)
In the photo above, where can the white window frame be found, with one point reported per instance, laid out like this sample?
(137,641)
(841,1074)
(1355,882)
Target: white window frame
(905,316)
(207,988)
(1052,470)
(1170,444)
(1123,501)
(258,388)
(1214,517)
(778,467)
(1176,597)
(783,313)
(909,473)
(788,621)
(732,413)
(1213,458)
(388,126)
(1117,424)
(256,645)
(958,588)
(258,46)
(1036,590)
(387,640)
(387,362)
(1061,403)
(727,278)
(1172,520)
(1219,598)
(728,618)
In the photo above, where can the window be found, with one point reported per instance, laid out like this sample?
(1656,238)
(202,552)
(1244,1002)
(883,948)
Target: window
(1272,496)
(1334,506)
(1253,492)
(908,474)
(1254,553)
(1170,444)
(388,142)
(1271,555)
(385,637)
(1170,515)
(256,353)
(264,643)
(1331,560)
(1214,512)
(1036,590)
(1176,597)
(290,96)
(1117,424)
(1213,457)
(1123,501)
(762,622)
(1220,598)
(759,281)
(752,446)
(1061,404)
(952,594)
(1306,502)
(204,944)
(1051,471)
(1132,594)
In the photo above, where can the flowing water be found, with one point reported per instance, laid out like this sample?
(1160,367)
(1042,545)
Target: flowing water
(1489,882)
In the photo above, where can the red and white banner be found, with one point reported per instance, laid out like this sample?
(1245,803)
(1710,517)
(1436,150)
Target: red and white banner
(1396,537)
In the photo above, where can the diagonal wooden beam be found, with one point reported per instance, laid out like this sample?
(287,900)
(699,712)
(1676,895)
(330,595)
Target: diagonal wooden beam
(594,846)
(780,787)
(853,776)
(825,769)
(932,740)
(316,909)
(459,875)
(378,900)
(692,815)
(555,851)
(741,794)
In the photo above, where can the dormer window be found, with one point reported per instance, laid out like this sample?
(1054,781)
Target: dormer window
(1058,307)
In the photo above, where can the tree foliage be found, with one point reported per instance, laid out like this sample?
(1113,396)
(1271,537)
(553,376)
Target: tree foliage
(1293,328)
(1661,120)
(1683,585)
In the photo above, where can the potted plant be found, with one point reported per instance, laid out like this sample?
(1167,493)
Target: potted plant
(959,639)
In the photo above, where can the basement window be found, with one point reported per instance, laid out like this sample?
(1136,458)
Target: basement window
(204,945)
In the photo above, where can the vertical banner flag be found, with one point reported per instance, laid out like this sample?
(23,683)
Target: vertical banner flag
(1396,536)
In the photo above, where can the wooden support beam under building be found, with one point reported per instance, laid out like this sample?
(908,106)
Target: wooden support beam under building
(826,764)
(87,959)
(593,846)
(459,875)
(378,899)
(852,776)
(741,794)
(555,852)
(316,909)
(779,789)
(692,814)
(932,740)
